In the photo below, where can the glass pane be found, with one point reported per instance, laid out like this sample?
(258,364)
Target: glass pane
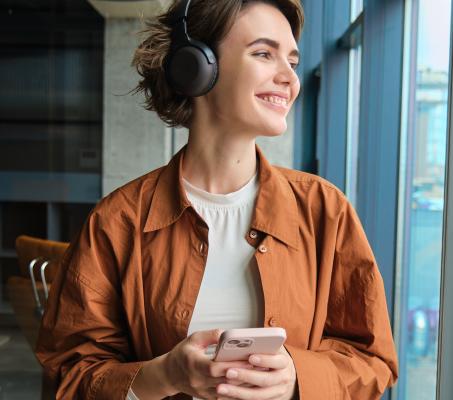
(423,150)
(355,66)
(356,8)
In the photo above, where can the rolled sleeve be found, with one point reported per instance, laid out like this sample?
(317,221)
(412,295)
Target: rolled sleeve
(83,343)
(355,358)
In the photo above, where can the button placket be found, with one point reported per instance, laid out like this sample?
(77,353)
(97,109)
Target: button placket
(264,262)
(203,249)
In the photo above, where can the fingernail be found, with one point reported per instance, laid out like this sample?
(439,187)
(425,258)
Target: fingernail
(255,359)
(223,390)
(231,374)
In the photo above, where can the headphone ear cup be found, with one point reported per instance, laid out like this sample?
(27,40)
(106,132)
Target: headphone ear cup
(188,71)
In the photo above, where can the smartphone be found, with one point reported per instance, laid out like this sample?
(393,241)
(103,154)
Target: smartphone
(239,344)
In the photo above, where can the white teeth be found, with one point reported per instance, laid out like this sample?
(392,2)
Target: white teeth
(275,100)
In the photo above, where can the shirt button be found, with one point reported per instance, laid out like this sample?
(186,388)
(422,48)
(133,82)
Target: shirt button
(201,247)
(272,321)
(185,314)
(262,248)
(253,234)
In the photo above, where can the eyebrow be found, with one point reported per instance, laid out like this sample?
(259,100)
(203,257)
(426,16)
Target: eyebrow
(274,44)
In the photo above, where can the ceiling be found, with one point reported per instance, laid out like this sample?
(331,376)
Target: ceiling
(59,6)
(129,8)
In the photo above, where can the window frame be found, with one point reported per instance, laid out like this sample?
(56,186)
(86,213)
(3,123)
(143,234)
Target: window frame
(321,134)
(332,116)
(379,141)
(445,348)
(305,116)
(380,29)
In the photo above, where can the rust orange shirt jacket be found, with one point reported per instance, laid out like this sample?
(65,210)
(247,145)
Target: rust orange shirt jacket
(127,287)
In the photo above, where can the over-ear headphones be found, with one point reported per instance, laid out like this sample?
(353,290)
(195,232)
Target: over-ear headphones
(191,66)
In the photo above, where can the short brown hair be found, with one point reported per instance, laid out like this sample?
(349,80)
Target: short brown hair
(208,21)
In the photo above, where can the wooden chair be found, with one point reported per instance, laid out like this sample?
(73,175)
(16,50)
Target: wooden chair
(38,262)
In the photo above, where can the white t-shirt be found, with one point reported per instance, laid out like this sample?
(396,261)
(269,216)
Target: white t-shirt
(230,292)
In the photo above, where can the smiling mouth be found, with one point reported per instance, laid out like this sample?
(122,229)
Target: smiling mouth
(272,103)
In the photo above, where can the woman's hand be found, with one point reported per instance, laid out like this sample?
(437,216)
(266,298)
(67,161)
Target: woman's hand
(189,370)
(279,382)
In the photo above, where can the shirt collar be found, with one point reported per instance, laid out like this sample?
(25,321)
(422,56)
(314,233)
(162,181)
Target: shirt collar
(275,209)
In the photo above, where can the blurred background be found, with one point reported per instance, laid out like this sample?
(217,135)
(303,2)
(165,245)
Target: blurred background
(372,118)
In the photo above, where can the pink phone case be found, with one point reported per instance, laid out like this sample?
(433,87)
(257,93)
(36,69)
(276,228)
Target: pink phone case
(239,344)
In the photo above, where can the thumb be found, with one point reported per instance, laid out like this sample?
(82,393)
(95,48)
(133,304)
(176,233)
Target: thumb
(203,339)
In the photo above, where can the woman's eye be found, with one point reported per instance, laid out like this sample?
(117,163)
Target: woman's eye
(267,54)
(262,53)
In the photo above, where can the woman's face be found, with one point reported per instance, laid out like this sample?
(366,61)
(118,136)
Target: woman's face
(257,82)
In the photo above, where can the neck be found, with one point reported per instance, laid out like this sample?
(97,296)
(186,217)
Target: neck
(218,162)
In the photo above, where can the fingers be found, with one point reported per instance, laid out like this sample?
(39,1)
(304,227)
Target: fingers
(254,393)
(256,378)
(217,369)
(210,390)
(270,378)
(276,361)
(203,339)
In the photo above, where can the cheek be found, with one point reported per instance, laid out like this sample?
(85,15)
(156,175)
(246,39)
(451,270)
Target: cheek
(241,75)
(229,84)
(236,93)
(295,87)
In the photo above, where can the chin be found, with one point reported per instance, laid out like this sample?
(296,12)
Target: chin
(265,124)
(270,135)
(270,124)
(275,129)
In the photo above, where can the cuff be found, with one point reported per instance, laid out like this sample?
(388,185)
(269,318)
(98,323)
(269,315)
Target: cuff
(116,381)
(317,378)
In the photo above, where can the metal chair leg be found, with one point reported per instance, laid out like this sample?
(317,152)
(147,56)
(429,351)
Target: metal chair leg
(33,282)
(43,278)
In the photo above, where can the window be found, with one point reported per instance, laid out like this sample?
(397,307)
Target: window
(421,193)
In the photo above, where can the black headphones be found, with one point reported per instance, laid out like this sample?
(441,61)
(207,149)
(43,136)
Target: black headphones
(191,66)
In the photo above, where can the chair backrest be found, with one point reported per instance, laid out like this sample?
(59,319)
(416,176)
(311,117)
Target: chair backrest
(29,248)
(24,294)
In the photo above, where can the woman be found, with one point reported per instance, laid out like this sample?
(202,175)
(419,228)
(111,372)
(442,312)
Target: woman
(221,239)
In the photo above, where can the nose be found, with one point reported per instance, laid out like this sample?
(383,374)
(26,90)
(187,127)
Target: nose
(286,74)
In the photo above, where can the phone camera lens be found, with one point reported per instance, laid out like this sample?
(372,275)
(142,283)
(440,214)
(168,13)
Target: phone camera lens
(243,344)
(234,341)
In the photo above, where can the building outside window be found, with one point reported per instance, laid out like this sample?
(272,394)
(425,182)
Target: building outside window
(421,195)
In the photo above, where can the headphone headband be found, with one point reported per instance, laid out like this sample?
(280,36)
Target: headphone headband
(179,36)
(182,10)
(190,66)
